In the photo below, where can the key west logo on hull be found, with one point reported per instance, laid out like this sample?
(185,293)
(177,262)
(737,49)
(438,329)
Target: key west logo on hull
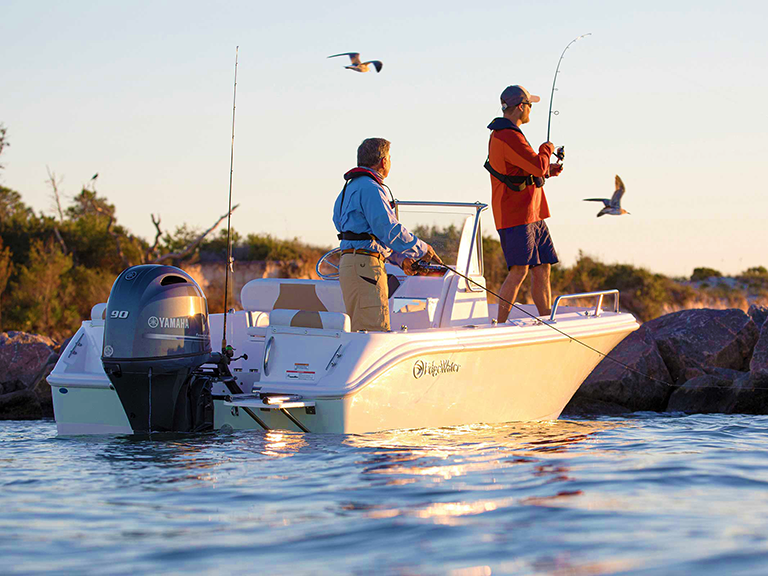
(163,322)
(434,368)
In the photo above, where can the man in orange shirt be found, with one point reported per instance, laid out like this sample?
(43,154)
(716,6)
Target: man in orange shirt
(519,203)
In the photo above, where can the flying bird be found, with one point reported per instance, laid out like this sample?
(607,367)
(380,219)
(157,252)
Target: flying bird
(612,206)
(357,65)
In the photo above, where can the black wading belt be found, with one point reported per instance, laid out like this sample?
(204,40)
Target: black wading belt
(516,183)
(355,236)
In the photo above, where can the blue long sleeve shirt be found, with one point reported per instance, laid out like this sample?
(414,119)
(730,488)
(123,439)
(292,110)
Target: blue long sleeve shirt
(366,210)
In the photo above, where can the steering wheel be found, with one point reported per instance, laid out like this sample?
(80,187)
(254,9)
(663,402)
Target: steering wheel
(325,260)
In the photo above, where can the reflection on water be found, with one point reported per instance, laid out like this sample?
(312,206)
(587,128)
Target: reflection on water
(400,457)
(662,494)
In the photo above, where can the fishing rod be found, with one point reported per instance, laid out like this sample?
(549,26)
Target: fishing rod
(560,153)
(228,352)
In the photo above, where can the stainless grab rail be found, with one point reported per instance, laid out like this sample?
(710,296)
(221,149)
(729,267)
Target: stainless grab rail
(476,205)
(267,350)
(598,305)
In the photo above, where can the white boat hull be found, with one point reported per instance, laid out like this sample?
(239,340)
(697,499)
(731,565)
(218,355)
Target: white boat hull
(489,375)
(527,381)
(446,363)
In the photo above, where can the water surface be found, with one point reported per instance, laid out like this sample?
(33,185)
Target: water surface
(649,494)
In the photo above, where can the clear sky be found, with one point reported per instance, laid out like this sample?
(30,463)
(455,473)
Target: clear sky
(669,95)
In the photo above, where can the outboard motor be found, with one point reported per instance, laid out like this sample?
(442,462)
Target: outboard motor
(156,335)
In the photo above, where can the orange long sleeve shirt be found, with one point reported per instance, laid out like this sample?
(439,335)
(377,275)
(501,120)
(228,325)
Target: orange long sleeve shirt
(510,153)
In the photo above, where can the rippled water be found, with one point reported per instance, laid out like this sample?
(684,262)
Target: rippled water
(643,495)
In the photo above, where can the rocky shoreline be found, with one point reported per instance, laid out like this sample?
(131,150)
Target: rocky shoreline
(26,360)
(691,361)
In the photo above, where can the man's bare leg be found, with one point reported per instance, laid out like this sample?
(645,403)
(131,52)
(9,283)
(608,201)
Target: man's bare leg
(540,289)
(509,290)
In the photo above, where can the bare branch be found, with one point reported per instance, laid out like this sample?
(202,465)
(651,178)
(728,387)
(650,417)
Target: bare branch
(55,187)
(60,240)
(189,248)
(116,236)
(153,250)
(3,141)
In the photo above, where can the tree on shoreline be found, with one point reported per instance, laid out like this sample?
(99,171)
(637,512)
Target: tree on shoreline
(3,141)
(42,299)
(6,268)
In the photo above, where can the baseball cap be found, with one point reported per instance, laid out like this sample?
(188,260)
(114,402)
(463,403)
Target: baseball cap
(514,95)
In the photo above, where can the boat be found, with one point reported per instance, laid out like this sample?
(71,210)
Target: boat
(145,361)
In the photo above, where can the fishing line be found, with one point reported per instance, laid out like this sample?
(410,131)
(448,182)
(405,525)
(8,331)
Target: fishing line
(572,338)
(604,355)
(228,266)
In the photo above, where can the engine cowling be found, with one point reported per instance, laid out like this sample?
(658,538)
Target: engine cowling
(156,333)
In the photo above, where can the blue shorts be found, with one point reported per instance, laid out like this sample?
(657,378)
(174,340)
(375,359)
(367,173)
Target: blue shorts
(528,245)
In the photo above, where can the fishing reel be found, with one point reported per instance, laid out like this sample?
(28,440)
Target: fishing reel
(425,268)
(560,154)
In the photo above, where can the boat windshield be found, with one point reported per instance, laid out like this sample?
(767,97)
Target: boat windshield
(452,229)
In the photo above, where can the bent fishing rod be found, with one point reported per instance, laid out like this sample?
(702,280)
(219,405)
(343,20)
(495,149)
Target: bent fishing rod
(228,352)
(560,153)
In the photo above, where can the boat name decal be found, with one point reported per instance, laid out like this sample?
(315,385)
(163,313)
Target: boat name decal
(163,322)
(434,368)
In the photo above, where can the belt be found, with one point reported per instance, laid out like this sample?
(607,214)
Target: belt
(518,183)
(363,252)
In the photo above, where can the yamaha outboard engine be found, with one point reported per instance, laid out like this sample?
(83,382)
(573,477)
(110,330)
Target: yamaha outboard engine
(156,335)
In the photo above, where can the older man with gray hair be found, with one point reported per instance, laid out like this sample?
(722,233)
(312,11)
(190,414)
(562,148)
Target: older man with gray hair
(370,234)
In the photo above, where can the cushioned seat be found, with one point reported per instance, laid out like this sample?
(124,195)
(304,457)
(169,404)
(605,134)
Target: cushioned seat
(266,294)
(310,319)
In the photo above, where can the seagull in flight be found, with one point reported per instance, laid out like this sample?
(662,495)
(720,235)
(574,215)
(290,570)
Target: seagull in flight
(357,65)
(612,206)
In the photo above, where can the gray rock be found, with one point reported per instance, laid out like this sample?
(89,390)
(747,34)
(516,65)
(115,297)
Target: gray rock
(43,390)
(614,385)
(726,373)
(22,356)
(751,396)
(690,341)
(710,393)
(584,406)
(20,405)
(13,386)
(758,366)
(703,395)
(758,313)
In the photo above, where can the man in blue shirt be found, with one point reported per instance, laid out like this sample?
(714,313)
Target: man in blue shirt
(370,234)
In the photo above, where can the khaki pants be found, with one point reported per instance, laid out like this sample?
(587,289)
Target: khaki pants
(364,287)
